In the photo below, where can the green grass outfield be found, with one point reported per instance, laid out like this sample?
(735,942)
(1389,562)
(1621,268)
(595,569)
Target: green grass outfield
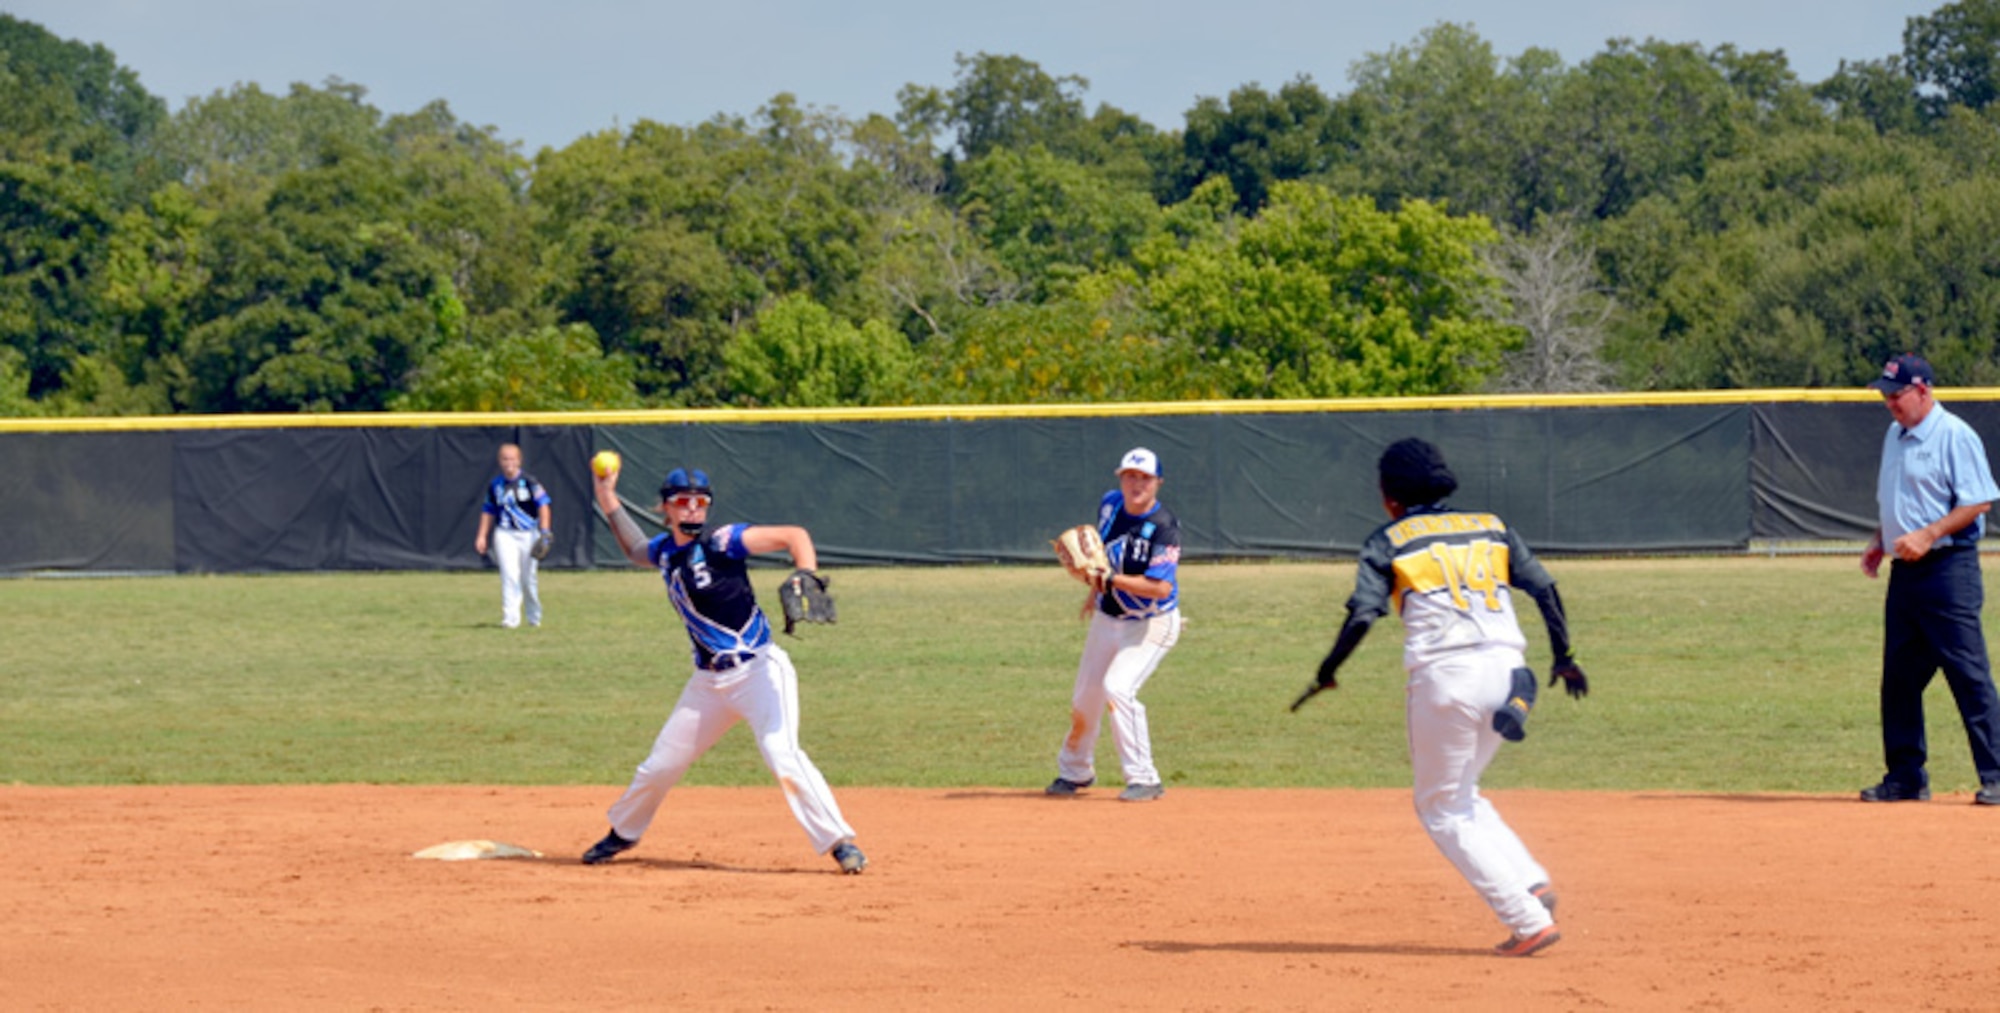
(1711,674)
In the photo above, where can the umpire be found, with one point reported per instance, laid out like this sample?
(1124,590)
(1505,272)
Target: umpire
(1932,495)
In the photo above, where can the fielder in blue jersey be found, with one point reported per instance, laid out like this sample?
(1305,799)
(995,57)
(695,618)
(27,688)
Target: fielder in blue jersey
(514,517)
(1135,620)
(740,674)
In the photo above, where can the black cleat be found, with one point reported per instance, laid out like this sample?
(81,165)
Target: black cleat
(604,850)
(1063,787)
(1890,791)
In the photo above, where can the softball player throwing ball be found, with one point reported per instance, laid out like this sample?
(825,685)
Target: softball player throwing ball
(740,674)
(1451,574)
(1134,620)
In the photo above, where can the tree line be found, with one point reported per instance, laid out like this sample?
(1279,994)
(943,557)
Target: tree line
(1658,216)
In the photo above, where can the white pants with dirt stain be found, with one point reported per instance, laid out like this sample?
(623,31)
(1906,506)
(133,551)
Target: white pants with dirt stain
(1119,655)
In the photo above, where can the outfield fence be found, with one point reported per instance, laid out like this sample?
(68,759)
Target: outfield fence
(1716,472)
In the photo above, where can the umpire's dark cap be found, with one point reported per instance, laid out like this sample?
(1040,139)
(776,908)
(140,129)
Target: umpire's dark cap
(1902,371)
(682,480)
(1414,474)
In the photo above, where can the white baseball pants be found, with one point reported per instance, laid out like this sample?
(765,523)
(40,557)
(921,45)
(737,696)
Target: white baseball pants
(1119,655)
(763,691)
(513,553)
(1450,712)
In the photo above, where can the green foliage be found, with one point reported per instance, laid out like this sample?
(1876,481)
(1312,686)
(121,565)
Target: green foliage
(797,354)
(247,137)
(56,219)
(1052,220)
(669,239)
(14,399)
(1258,139)
(1810,258)
(548,369)
(73,102)
(1007,102)
(299,250)
(403,679)
(1876,92)
(1954,54)
(1444,121)
(320,297)
(1082,349)
(1325,296)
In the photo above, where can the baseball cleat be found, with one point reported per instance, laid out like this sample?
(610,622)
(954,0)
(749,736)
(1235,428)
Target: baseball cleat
(1547,895)
(1141,793)
(603,850)
(851,860)
(1890,791)
(1988,794)
(1064,787)
(1521,946)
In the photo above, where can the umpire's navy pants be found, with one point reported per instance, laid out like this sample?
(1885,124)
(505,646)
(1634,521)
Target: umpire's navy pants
(1932,621)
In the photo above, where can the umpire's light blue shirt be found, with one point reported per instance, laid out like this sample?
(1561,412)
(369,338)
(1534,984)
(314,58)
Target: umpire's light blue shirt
(1927,471)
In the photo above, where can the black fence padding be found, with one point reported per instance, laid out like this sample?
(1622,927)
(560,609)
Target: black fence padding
(1588,480)
(86,501)
(1814,466)
(359,499)
(1571,479)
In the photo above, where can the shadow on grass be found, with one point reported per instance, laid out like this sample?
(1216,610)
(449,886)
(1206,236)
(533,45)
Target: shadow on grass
(1293,948)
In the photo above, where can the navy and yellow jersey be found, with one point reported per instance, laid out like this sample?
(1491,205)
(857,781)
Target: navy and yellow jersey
(708,581)
(1451,575)
(1148,545)
(516,504)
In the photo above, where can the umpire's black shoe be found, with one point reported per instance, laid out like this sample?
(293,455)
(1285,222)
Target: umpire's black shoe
(603,850)
(1989,794)
(1890,791)
(1063,787)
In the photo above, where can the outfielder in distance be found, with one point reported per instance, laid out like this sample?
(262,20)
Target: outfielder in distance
(514,521)
(1134,620)
(1451,575)
(740,673)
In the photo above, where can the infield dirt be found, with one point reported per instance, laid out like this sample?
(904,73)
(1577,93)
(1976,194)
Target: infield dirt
(307,898)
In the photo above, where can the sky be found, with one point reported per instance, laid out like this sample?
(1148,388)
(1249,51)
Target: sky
(545,73)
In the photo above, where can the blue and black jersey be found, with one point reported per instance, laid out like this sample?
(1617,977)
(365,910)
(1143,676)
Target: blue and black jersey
(708,581)
(1148,545)
(516,503)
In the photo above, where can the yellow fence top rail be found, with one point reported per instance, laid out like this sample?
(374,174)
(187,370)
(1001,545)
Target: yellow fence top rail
(743,416)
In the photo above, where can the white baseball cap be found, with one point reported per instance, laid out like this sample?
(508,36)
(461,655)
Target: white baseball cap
(1140,459)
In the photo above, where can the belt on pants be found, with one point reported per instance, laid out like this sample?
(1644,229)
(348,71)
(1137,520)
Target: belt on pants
(726,661)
